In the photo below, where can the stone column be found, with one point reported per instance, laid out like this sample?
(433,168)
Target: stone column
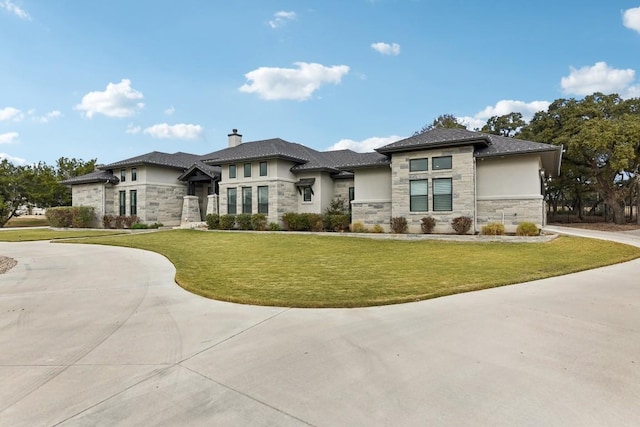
(212,204)
(190,210)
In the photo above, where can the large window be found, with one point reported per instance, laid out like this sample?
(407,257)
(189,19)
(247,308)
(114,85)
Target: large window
(438,163)
(122,202)
(263,199)
(123,175)
(263,168)
(442,194)
(232,201)
(246,200)
(133,201)
(419,195)
(232,171)
(247,170)
(134,174)
(307,194)
(418,165)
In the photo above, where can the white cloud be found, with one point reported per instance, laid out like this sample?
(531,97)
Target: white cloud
(47,116)
(179,131)
(386,48)
(292,83)
(118,100)
(10,113)
(597,78)
(12,159)
(366,145)
(11,7)
(631,19)
(9,137)
(503,107)
(133,130)
(281,18)
(169,111)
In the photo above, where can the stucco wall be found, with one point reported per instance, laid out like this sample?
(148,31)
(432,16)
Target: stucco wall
(463,183)
(511,177)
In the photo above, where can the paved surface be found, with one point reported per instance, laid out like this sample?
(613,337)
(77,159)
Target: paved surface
(93,335)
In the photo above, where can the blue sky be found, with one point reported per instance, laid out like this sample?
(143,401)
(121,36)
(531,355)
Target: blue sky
(114,79)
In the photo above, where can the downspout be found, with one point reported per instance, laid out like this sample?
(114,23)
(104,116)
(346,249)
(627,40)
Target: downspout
(475,197)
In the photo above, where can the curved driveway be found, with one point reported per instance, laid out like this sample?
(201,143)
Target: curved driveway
(95,335)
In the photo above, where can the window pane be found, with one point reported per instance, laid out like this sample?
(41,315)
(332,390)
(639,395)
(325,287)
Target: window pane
(263,168)
(133,196)
(442,194)
(247,170)
(416,165)
(419,199)
(263,200)
(232,171)
(246,200)
(441,162)
(134,174)
(307,194)
(123,175)
(231,201)
(122,200)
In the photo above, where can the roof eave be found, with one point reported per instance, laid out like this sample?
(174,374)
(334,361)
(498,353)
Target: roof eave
(430,145)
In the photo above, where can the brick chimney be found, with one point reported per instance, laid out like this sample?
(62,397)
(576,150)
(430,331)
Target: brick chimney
(235,138)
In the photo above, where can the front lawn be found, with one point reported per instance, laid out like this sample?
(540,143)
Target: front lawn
(28,235)
(294,270)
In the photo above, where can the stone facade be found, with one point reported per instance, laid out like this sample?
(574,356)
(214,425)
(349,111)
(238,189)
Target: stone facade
(158,203)
(511,212)
(190,209)
(371,213)
(341,188)
(462,174)
(92,195)
(212,204)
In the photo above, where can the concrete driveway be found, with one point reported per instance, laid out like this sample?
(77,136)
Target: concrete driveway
(94,335)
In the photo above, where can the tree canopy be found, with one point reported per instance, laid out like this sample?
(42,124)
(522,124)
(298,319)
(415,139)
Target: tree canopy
(448,121)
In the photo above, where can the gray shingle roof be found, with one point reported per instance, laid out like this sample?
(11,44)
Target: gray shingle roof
(438,137)
(95,176)
(177,160)
(211,171)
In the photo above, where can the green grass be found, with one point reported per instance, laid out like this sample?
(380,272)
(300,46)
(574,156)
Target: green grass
(295,270)
(28,235)
(21,221)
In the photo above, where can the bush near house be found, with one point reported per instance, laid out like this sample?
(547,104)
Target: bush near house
(527,229)
(399,225)
(243,221)
(70,216)
(119,221)
(274,226)
(143,226)
(227,222)
(461,224)
(213,221)
(259,222)
(493,229)
(377,229)
(358,227)
(427,224)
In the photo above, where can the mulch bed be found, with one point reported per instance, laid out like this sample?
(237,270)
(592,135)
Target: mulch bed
(6,264)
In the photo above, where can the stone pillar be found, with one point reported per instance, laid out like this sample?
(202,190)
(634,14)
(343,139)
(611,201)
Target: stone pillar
(190,210)
(212,204)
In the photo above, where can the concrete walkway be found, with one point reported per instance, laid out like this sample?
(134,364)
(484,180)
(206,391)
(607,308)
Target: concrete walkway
(95,335)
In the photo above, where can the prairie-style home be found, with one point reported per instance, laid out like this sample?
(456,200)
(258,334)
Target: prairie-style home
(442,173)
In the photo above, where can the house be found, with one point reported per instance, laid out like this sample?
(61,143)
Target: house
(443,173)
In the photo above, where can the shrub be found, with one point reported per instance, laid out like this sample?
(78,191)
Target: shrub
(156,225)
(140,226)
(274,226)
(227,221)
(337,206)
(295,222)
(461,224)
(119,221)
(61,217)
(259,221)
(527,229)
(130,220)
(377,229)
(337,222)
(108,221)
(493,229)
(71,216)
(427,224)
(213,221)
(358,227)
(243,221)
(399,225)
(315,221)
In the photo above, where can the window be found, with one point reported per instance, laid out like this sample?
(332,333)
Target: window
(438,163)
(246,200)
(263,199)
(232,199)
(419,195)
(133,201)
(134,174)
(247,170)
(307,194)
(418,165)
(442,194)
(122,202)
(123,175)
(232,171)
(352,196)
(263,168)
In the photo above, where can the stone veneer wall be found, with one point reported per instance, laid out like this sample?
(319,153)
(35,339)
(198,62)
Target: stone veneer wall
(463,186)
(341,188)
(371,213)
(92,195)
(515,211)
(157,203)
(190,210)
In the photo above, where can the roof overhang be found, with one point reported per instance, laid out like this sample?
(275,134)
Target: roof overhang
(551,159)
(439,144)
